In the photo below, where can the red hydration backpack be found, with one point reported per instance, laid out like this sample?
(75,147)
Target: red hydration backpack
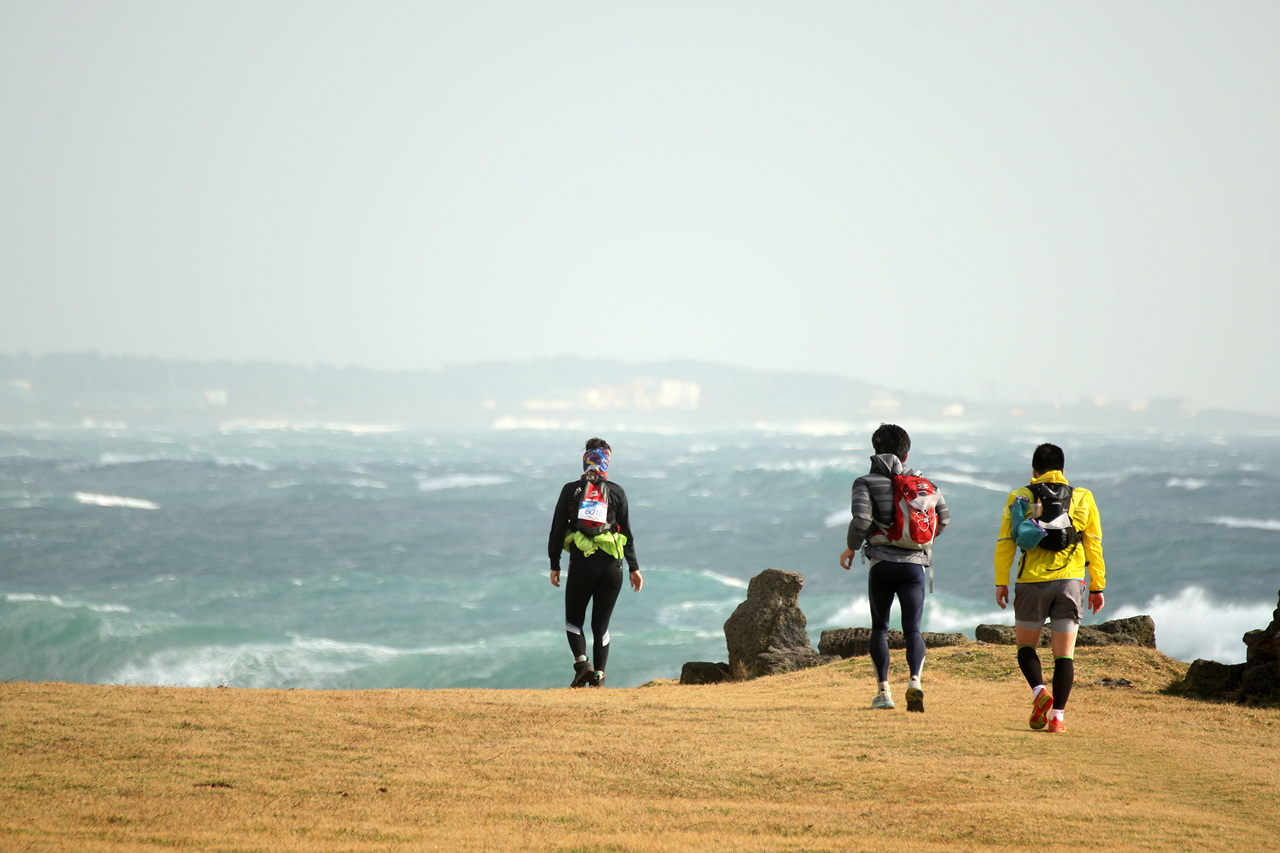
(591,514)
(915,514)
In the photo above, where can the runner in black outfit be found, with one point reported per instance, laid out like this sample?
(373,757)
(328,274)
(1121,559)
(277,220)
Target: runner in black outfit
(594,576)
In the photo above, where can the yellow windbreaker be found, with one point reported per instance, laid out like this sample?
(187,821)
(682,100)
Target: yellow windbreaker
(1040,565)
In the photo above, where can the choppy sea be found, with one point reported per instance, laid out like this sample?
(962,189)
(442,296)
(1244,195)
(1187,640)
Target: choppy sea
(363,558)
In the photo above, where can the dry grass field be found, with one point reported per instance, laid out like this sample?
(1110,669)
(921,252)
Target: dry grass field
(788,763)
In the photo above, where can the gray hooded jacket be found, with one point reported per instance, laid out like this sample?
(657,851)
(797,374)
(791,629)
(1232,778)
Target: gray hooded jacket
(873,500)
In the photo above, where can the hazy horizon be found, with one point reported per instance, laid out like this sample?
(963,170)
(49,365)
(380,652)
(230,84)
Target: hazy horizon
(998,201)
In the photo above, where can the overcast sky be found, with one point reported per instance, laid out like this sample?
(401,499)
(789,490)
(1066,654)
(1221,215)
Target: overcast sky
(1013,201)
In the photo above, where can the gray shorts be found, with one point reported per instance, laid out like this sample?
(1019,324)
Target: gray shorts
(1061,602)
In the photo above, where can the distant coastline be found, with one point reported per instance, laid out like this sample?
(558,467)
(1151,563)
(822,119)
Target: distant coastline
(78,390)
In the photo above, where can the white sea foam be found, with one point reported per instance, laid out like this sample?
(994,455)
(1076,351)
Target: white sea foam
(966,480)
(284,484)
(57,601)
(270,664)
(242,462)
(1188,483)
(368,484)
(1190,625)
(693,617)
(108,460)
(725,579)
(461,481)
(839,518)
(92,499)
(236,426)
(1246,523)
(304,661)
(949,618)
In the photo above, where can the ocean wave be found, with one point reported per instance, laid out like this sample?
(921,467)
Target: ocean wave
(839,518)
(110,460)
(241,426)
(1191,625)
(58,601)
(1188,483)
(289,662)
(92,499)
(966,480)
(805,466)
(461,481)
(367,484)
(724,579)
(285,484)
(294,661)
(241,462)
(1245,523)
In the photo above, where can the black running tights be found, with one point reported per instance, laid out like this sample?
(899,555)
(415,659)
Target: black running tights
(906,581)
(596,580)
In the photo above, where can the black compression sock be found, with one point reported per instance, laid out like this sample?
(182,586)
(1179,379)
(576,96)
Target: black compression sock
(1029,663)
(1064,675)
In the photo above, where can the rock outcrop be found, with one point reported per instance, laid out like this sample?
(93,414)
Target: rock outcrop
(704,672)
(1134,631)
(1254,682)
(855,642)
(767,634)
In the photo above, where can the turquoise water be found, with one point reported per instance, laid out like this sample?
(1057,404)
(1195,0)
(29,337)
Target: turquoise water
(346,559)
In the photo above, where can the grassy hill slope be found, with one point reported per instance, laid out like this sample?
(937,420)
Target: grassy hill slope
(788,763)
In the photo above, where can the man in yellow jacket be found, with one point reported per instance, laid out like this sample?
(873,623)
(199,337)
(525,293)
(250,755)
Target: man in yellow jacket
(1060,534)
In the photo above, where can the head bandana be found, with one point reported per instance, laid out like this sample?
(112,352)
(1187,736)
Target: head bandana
(597,458)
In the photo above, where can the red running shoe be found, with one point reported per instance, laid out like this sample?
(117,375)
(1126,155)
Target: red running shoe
(1040,710)
(1056,725)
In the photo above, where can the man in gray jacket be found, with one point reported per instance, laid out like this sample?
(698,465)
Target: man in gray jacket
(895,570)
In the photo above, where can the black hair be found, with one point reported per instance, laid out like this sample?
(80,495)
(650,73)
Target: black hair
(1048,457)
(891,438)
(593,443)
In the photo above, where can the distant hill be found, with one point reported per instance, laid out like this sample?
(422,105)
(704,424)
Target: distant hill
(89,389)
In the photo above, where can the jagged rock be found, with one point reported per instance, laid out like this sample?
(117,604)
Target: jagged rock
(777,661)
(1134,631)
(855,642)
(1254,682)
(1209,679)
(1003,635)
(1260,684)
(768,633)
(703,672)
(939,639)
(849,642)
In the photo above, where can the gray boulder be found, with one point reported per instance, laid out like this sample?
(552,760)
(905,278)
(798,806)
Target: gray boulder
(704,672)
(768,633)
(1002,635)
(1134,631)
(855,642)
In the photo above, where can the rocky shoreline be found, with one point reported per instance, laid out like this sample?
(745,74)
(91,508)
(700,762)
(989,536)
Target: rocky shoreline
(768,634)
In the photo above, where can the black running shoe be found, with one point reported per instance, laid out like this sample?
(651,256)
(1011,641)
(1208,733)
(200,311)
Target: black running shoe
(583,673)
